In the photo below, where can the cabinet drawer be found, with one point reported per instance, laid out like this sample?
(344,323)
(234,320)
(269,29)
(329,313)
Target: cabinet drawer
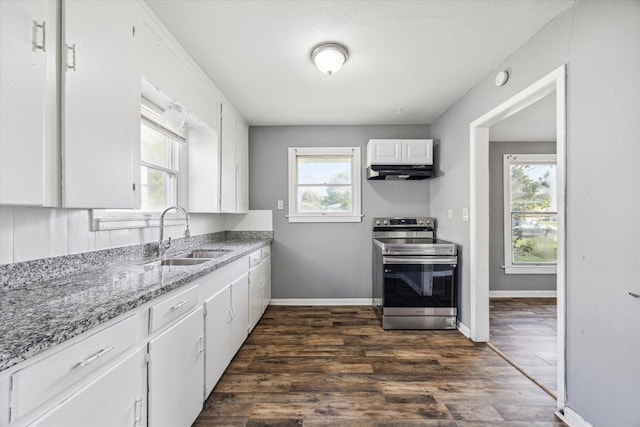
(266,251)
(254,259)
(172,308)
(37,383)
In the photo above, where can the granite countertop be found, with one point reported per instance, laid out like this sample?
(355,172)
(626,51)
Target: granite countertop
(36,317)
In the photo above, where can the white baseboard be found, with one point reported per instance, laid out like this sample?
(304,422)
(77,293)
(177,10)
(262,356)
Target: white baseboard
(522,294)
(322,301)
(572,419)
(464,329)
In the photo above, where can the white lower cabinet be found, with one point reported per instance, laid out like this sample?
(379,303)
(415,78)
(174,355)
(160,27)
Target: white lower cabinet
(115,398)
(176,366)
(217,328)
(240,312)
(256,283)
(266,280)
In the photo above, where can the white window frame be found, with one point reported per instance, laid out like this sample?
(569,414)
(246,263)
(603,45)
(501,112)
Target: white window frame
(117,219)
(356,185)
(509,266)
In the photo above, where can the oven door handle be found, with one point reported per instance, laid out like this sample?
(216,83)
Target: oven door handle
(422,260)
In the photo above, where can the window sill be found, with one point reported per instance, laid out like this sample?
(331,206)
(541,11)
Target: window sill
(103,220)
(325,218)
(532,269)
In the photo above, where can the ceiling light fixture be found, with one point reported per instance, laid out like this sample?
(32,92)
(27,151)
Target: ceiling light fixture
(329,57)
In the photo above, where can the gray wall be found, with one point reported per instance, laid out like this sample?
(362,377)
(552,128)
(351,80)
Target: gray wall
(598,40)
(326,260)
(498,280)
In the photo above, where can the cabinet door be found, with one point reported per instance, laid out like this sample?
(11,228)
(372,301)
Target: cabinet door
(240,310)
(22,104)
(266,283)
(255,295)
(228,161)
(203,171)
(417,151)
(101,104)
(242,176)
(385,151)
(115,398)
(176,367)
(217,329)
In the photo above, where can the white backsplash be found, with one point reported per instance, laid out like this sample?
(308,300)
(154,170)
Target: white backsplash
(33,233)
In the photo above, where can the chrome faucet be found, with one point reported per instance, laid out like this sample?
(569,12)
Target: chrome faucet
(162,246)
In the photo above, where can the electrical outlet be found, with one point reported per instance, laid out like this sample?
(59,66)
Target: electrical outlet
(450,214)
(280,204)
(465,214)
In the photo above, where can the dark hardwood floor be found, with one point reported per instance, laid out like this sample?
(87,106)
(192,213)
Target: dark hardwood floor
(335,366)
(524,329)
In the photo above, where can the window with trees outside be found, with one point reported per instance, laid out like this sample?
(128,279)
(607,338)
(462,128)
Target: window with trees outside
(324,184)
(530,214)
(160,158)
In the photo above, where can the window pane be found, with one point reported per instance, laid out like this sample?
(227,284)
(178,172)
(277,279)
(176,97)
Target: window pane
(324,169)
(534,238)
(155,148)
(158,189)
(324,199)
(533,188)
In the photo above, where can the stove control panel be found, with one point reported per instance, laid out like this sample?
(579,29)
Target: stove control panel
(400,222)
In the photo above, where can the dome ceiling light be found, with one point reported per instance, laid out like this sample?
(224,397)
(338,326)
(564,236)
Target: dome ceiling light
(329,57)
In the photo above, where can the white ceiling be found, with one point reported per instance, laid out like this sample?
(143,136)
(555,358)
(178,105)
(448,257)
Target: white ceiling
(409,60)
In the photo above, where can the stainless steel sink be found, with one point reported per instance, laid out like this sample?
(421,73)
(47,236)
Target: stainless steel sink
(179,261)
(207,253)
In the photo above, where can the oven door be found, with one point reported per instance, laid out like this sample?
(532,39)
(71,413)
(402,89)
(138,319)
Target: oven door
(419,285)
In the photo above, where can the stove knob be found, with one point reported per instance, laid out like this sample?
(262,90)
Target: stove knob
(385,222)
(377,222)
(420,222)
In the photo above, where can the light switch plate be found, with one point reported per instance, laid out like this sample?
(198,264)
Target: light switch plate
(450,214)
(280,204)
(465,214)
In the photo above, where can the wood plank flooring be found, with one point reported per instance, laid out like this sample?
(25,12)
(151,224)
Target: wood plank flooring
(524,329)
(335,366)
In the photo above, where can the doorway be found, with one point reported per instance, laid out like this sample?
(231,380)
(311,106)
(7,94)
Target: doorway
(553,83)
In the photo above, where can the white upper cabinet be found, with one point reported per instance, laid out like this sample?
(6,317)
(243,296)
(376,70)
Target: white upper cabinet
(234,163)
(100,104)
(400,151)
(242,176)
(384,151)
(417,151)
(23,46)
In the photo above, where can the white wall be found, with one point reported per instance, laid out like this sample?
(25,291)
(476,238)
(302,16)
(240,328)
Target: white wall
(33,233)
(598,40)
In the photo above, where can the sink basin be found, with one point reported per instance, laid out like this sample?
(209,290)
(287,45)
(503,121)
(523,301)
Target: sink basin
(178,261)
(207,253)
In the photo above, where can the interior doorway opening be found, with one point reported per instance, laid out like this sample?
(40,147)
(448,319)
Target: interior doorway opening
(523,241)
(553,83)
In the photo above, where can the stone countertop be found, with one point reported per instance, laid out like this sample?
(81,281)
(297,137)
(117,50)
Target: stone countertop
(35,318)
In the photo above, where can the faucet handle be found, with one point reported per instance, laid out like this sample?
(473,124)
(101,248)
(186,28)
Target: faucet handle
(168,245)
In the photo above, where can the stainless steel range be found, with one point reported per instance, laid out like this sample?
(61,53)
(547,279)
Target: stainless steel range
(414,275)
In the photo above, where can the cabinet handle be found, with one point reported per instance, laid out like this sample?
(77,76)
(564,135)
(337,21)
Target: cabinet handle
(43,27)
(137,410)
(178,305)
(201,345)
(229,316)
(95,357)
(71,49)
